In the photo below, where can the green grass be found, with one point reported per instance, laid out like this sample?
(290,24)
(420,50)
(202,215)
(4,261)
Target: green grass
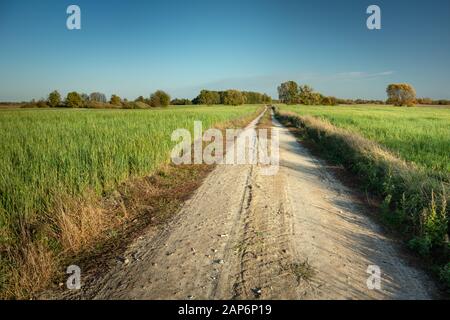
(48,153)
(418,135)
(412,179)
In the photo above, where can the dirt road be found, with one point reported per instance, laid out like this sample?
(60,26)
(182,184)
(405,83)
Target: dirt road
(299,234)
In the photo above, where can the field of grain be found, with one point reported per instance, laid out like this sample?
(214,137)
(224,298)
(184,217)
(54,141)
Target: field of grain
(419,135)
(46,155)
(399,154)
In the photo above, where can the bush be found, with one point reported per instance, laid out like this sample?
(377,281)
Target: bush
(141,105)
(42,104)
(73,100)
(159,99)
(329,101)
(98,105)
(135,105)
(421,245)
(444,274)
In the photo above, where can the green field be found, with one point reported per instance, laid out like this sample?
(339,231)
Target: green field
(48,153)
(414,195)
(420,135)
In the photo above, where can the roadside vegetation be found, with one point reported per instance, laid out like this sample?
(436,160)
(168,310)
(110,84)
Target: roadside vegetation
(401,155)
(57,166)
(419,135)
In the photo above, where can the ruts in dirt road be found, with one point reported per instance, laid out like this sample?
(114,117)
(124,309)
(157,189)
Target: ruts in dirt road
(298,234)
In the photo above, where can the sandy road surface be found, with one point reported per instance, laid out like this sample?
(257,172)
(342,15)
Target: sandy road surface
(296,235)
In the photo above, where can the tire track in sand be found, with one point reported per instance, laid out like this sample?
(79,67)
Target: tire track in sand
(299,234)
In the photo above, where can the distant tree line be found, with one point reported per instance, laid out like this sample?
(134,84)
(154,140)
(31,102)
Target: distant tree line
(359,101)
(289,92)
(399,94)
(231,97)
(98,100)
(159,98)
(180,102)
(429,101)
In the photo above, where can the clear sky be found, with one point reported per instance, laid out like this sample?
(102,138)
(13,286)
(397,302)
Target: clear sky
(132,47)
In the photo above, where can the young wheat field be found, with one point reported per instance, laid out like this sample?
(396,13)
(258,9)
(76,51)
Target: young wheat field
(46,155)
(419,135)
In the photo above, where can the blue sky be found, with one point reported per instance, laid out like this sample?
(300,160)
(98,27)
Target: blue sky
(132,47)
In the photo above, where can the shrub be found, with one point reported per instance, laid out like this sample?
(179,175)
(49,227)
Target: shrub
(42,104)
(435,222)
(421,245)
(135,105)
(141,105)
(424,101)
(444,274)
(98,105)
(329,101)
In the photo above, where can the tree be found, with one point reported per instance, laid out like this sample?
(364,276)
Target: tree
(85,98)
(97,97)
(307,95)
(256,97)
(159,99)
(233,97)
(207,97)
(54,99)
(288,92)
(317,98)
(401,94)
(329,101)
(73,100)
(266,98)
(140,99)
(42,104)
(115,100)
